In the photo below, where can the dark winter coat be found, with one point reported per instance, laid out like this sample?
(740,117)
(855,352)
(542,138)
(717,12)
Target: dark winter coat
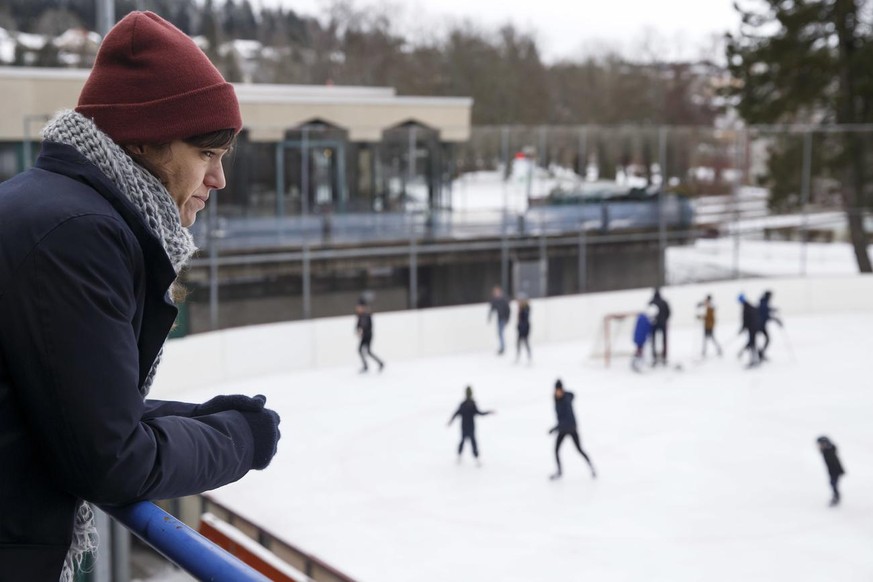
(642,330)
(83,314)
(751,319)
(524,321)
(835,468)
(365,326)
(500,305)
(663,310)
(564,411)
(468,411)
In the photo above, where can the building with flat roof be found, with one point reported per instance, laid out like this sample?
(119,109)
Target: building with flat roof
(303,149)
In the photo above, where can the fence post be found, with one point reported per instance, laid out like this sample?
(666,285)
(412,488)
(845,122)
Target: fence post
(307,307)
(662,219)
(504,245)
(583,259)
(804,196)
(413,266)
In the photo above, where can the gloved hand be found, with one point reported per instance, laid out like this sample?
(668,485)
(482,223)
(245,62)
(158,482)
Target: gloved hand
(264,424)
(231,402)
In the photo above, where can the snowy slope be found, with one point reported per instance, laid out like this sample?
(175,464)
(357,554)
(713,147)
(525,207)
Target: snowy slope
(706,474)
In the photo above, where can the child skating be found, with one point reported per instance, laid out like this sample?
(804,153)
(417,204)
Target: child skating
(468,411)
(642,331)
(835,468)
(708,317)
(566,427)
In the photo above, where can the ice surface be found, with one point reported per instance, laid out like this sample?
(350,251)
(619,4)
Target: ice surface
(710,473)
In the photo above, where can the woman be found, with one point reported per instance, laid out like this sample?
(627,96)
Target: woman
(91,241)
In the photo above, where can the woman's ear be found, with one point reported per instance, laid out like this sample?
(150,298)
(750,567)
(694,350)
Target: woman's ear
(136,149)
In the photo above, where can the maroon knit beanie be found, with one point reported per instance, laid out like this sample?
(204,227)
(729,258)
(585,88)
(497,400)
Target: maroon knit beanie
(151,85)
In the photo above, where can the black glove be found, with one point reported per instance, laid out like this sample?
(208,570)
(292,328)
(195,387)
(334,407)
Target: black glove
(231,402)
(264,424)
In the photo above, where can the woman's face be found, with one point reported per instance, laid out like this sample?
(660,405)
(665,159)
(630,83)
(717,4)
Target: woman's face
(189,173)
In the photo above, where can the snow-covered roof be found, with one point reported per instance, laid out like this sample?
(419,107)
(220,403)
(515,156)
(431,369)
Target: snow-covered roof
(30,41)
(7,47)
(76,39)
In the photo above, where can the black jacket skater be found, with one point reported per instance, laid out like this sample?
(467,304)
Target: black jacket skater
(564,411)
(83,315)
(468,411)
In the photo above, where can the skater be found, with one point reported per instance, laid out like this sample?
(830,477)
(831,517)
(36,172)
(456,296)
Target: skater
(708,317)
(751,325)
(468,411)
(523,328)
(364,329)
(93,238)
(835,468)
(765,314)
(500,306)
(566,427)
(660,325)
(642,330)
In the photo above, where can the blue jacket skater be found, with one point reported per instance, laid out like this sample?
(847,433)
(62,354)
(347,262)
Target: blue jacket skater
(642,330)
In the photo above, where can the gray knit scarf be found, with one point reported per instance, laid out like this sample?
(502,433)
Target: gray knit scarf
(160,213)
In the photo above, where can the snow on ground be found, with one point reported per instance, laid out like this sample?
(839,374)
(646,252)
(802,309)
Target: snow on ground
(710,473)
(712,259)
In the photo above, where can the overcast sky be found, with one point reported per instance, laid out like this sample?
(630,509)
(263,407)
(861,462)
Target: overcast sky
(568,28)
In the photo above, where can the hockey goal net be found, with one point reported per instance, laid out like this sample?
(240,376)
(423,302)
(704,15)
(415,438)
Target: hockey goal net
(614,337)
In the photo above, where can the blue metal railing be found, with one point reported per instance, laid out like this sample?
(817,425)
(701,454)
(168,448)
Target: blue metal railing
(182,545)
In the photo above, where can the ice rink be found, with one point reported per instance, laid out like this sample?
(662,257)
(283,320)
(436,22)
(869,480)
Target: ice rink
(708,473)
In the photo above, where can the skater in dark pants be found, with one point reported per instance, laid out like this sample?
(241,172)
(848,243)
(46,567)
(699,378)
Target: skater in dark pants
(660,325)
(500,306)
(766,313)
(365,332)
(835,468)
(751,325)
(566,427)
(523,328)
(708,317)
(468,411)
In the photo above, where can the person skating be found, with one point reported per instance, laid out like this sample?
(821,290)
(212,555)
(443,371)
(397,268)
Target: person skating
(642,331)
(751,325)
(835,468)
(566,427)
(708,317)
(766,313)
(468,411)
(660,325)
(364,329)
(523,328)
(500,306)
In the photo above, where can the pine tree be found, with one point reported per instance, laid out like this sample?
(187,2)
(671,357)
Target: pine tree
(811,61)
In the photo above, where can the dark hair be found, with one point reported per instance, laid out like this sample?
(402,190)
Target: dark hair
(223,138)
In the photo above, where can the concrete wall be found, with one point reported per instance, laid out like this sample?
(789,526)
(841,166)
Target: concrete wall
(249,352)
